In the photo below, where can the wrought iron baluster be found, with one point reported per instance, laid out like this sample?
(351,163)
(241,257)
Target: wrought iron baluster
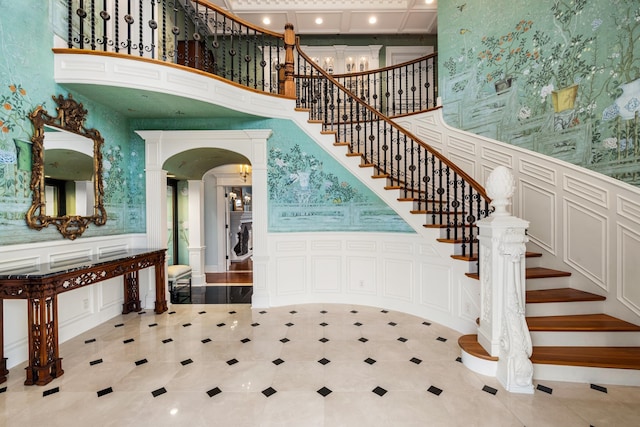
(140,30)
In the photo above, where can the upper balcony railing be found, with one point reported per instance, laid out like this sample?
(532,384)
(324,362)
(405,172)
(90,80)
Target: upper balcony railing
(398,89)
(192,33)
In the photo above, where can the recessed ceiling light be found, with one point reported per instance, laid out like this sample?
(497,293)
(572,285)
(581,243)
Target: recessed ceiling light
(266,21)
(319,21)
(373,20)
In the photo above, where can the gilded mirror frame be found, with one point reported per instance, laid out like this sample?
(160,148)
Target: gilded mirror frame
(70,118)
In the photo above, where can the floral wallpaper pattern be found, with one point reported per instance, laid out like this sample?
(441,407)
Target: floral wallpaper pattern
(561,77)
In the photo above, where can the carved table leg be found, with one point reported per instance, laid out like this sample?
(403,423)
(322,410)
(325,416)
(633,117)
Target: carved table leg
(131,293)
(44,363)
(3,360)
(161,298)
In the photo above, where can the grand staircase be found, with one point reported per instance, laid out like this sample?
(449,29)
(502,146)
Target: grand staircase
(568,326)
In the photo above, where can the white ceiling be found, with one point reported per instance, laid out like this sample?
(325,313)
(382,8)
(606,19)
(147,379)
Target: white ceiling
(339,16)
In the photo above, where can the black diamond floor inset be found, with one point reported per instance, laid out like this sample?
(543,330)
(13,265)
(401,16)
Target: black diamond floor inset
(285,340)
(324,324)
(262,312)
(459,359)
(269,391)
(128,341)
(206,340)
(186,362)
(426,323)
(214,391)
(245,340)
(441,339)
(118,325)
(489,390)
(384,311)
(90,341)
(186,324)
(598,388)
(323,339)
(434,390)
(159,392)
(3,389)
(50,391)
(220,325)
(293,312)
(255,324)
(168,340)
(324,361)
(392,324)
(324,392)
(379,391)
(141,362)
(369,360)
(416,360)
(544,389)
(171,312)
(402,339)
(324,312)
(153,324)
(289,324)
(358,324)
(201,312)
(363,339)
(277,361)
(95,362)
(354,311)
(232,362)
(105,391)
(232,312)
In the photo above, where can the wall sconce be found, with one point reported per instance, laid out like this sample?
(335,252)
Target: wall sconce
(233,196)
(244,171)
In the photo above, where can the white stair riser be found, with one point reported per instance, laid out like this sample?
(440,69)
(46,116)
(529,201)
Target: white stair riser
(548,283)
(580,374)
(564,308)
(586,339)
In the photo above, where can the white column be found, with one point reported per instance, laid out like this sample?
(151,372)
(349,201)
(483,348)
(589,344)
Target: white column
(259,206)
(196,231)
(156,198)
(503,330)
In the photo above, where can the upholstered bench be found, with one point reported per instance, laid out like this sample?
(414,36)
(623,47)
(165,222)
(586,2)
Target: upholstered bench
(179,277)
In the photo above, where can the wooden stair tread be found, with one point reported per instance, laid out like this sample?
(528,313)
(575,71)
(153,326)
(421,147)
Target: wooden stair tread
(561,295)
(542,272)
(580,323)
(597,357)
(470,344)
(465,257)
(341,144)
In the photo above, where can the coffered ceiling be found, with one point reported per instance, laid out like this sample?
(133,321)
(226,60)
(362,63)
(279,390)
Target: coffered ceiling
(339,16)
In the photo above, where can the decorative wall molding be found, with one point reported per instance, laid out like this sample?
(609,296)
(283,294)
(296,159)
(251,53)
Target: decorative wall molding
(538,205)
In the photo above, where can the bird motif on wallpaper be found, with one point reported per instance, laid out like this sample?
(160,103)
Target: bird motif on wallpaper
(464,31)
(461,7)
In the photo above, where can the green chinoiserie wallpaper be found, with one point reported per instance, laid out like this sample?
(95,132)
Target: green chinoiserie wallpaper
(557,77)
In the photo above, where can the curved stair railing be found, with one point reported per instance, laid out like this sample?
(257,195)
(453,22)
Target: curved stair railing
(447,196)
(396,90)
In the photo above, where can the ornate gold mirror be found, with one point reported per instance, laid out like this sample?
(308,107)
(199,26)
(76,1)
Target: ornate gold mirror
(65,165)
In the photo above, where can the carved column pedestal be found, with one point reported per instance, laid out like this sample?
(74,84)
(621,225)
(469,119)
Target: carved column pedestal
(44,363)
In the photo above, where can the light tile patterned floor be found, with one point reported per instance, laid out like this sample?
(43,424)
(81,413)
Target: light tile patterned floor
(308,365)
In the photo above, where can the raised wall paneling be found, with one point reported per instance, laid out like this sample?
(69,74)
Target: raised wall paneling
(464,163)
(326,273)
(629,209)
(535,170)
(586,242)
(75,305)
(362,274)
(397,248)
(538,205)
(628,268)
(586,191)
(111,293)
(291,275)
(291,246)
(22,265)
(462,145)
(69,257)
(497,157)
(429,250)
(435,286)
(429,136)
(326,245)
(398,279)
(359,246)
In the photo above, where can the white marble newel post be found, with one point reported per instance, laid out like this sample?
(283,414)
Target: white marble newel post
(503,330)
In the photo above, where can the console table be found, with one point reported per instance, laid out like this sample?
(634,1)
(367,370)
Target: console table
(42,286)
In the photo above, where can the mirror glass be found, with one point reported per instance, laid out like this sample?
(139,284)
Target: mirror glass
(66,177)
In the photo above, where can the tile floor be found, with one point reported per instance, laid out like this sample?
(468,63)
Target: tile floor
(308,365)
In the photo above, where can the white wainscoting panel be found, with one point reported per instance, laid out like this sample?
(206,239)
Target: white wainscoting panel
(587,191)
(435,286)
(538,206)
(497,157)
(628,267)
(586,243)
(398,279)
(629,209)
(537,171)
(326,273)
(291,275)
(362,275)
